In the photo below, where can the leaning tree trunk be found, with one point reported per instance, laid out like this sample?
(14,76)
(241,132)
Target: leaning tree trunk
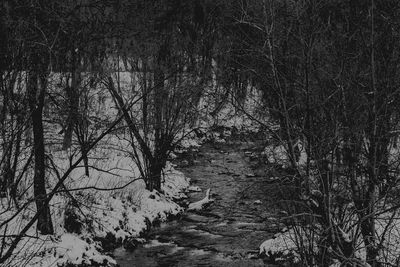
(36,92)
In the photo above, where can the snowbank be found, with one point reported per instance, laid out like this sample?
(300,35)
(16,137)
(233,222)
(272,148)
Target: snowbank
(70,249)
(284,246)
(281,248)
(103,220)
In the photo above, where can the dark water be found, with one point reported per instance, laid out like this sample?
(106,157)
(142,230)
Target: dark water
(227,233)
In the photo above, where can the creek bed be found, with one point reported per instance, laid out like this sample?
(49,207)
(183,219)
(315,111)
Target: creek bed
(228,232)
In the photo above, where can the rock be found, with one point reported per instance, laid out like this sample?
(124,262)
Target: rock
(130,243)
(199,205)
(194,189)
(196,218)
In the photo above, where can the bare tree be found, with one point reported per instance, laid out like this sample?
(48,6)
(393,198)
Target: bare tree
(326,87)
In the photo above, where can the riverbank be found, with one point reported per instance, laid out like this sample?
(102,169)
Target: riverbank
(229,231)
(103,220)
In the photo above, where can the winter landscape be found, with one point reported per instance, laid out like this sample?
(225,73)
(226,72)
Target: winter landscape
(199,133)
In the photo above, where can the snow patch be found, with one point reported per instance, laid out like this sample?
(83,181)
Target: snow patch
(201,204)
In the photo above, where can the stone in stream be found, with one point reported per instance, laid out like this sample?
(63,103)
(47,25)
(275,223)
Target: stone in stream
(227,173)
(193,188)
(192,217)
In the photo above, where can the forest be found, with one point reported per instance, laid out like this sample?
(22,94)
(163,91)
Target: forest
(106,104)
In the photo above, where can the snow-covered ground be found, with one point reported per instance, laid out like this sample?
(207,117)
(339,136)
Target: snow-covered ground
(103,217)
(292,243)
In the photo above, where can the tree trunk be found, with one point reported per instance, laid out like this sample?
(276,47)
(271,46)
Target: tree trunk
(36,91)
(85,161)
(155,172)
(73,103)
(6,144)
(159,109)
(145,101)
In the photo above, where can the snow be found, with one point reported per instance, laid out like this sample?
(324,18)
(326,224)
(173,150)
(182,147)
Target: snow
(124,214)
(282,244)
(70,248)
(276,155)
(67,250)
(175,182)
(190,142)
(201,204)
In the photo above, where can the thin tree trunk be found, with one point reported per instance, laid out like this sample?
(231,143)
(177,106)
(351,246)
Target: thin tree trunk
(85,162)
(159,109)
(6,157)
(145,103)
(36,91)
(73,103)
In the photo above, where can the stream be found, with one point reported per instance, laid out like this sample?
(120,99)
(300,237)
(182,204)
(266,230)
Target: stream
(229,231)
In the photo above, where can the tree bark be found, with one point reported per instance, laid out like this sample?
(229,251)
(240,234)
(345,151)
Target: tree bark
(36,91)
(85,161)
(155,173)
(160,98)
(73,102)
(6,144)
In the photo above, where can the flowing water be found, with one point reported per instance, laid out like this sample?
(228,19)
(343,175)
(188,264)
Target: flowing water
(228,232)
